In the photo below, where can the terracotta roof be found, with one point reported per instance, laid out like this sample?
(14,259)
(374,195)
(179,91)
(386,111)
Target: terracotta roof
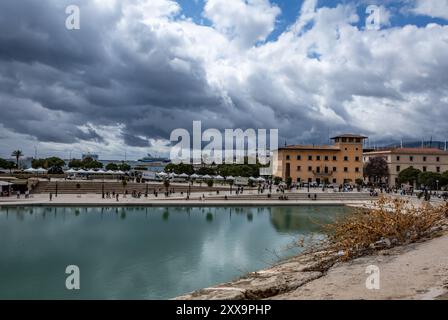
(300,147)
(349,136)
(410,151)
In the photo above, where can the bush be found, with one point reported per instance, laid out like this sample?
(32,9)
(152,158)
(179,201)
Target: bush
(390,223)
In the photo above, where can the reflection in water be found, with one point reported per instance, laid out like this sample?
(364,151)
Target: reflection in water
(131,253)
(304,219)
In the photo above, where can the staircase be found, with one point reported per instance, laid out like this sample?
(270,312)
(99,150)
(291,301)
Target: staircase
(95,187)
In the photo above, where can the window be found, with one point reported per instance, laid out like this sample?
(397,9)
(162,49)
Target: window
(438,169)
(299,168)
(335,158)
(299,157)
(310,158)
(318,158)
(398,168)
(424,159)
(345,158)
(425,169)
(318,169)
(310,168)
(334,180)
(326,169)
(298,180)
(345,169)
(438,159)
(357,159)
(356,169)
(288,157)
(411,158)
(335,169)
(398,158)
(326,158)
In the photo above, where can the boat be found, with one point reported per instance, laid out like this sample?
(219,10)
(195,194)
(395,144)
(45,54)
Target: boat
(151,159)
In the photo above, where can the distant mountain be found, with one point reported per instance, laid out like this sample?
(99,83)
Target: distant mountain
(417,144)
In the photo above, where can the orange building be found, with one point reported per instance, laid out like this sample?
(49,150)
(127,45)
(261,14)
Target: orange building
(332,164)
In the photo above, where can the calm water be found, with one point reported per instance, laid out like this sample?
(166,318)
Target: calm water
(143,253)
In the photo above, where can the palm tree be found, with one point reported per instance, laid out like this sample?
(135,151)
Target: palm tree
(17,154)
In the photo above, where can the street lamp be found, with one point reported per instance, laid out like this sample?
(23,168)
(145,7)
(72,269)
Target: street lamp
(437,182)
(56,189)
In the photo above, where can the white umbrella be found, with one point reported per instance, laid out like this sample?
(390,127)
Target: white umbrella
(219,178)
(230,178)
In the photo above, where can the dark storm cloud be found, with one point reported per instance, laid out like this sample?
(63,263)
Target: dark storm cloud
(92,75)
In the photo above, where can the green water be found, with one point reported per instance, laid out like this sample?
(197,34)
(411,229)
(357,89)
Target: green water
(143,253)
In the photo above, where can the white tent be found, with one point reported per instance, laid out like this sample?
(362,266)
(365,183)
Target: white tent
(184,176)
(261,179)
(252,179)
(101,171)
(82,171)
(119,172)
(173,175)
(71,171)
(91,171)
(41,170)
(230,178)
(195,176)
(162,174)
(3,184)
(207,177)
(219,178)
(30,170)
(110,172)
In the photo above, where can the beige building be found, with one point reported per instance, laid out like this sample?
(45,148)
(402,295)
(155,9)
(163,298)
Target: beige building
(335,164)
(399,159)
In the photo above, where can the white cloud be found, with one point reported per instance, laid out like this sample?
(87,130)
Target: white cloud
(245,21)
(431,8)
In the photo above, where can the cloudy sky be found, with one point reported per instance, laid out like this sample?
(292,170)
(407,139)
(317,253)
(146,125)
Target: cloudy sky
(137,69)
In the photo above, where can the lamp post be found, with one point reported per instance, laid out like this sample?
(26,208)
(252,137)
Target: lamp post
(56,193)
(437,182)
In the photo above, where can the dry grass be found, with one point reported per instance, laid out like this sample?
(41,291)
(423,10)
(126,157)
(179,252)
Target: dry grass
(388,224)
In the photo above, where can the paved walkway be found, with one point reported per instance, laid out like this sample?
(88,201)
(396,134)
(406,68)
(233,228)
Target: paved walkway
(418,271)
(96,200)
